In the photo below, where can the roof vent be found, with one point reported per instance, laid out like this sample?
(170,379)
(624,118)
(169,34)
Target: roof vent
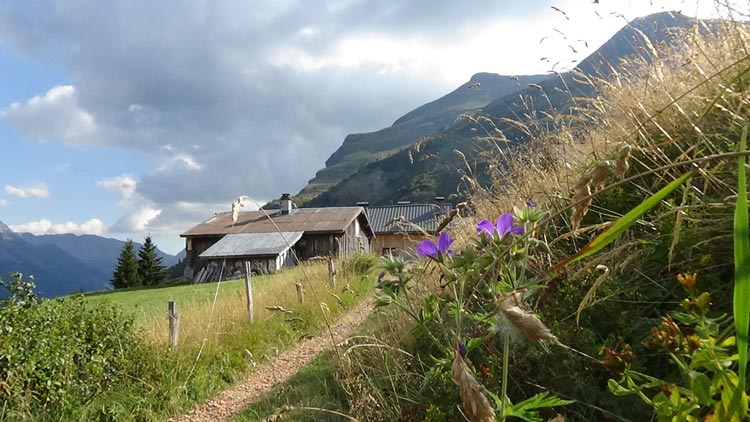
(404,202)
(363,204)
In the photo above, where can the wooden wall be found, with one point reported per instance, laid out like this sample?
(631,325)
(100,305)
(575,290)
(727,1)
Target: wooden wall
(399,241)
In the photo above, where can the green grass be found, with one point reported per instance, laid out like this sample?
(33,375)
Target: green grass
(148,303)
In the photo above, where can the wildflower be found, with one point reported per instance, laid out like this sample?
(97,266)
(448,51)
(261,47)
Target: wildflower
(502,227)
(380,276)
(462,350)
(687,281)
(429,249)
(530,203)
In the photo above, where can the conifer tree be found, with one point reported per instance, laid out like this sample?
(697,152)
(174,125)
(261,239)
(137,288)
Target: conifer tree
(150,269)
(126,272)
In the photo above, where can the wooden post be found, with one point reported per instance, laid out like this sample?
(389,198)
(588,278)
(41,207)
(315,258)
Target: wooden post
(174,325)
(344,270)
(332,271)
(300,293)
(249,290)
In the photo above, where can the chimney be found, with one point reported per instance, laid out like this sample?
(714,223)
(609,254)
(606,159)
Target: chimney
(285,204)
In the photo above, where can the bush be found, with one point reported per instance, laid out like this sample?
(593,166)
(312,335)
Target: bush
(57,355)
(361,264)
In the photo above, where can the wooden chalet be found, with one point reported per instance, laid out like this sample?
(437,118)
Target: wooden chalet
(269,239)
(400,227)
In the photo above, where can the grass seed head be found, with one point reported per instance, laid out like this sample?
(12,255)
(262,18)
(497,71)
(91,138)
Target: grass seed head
(475,403)
(581,202)
(528,323)
(622,164)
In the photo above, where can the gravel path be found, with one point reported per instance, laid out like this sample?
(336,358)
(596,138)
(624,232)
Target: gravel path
(230,402)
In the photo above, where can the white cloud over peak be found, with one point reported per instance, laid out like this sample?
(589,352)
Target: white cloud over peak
(136,221)
(38,190)
(45,226)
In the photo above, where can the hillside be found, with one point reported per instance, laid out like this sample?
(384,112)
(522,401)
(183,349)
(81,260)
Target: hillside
(64,263)
(362,148)
(55,271)
(419,174)
(97,251)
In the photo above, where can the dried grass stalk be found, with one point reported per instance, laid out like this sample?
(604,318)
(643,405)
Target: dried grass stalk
(599,174)
(581,202)
(589,297)
(475,403)
(622,165)
(528,323)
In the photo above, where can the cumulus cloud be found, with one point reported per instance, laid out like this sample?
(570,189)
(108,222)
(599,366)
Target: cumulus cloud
(45,226)
(136,221)
(56,115)
(123,185)
(38,190)
(4,202)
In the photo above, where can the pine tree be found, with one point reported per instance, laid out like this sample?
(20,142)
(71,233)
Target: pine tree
(126,272)
(150,268)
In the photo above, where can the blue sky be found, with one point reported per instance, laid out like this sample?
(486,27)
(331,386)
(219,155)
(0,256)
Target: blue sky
(130,117)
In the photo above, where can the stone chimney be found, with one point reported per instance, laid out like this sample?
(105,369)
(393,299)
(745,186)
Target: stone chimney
(285,204)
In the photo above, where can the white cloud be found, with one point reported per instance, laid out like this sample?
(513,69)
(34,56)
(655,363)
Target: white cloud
(45,226)
(136,221)
(123,185)
(38,190)
(56,115)
(4,202)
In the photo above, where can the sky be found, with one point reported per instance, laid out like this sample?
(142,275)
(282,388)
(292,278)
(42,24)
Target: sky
(127,118)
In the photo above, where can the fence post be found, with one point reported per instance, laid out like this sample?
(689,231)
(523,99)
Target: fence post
(249,290)
(344,271)
(174,324)
(332,271)
(300,292)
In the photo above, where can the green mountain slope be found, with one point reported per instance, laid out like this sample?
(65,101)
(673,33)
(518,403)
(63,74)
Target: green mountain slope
(362,148)
(419,174)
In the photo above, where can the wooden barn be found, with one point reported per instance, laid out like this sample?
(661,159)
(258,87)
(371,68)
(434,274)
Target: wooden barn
(269,239)
(400,227)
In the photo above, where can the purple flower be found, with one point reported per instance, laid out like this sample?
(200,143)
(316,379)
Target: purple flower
(380,276)
(530,203)
(503,226)
(462,350)
(428,248)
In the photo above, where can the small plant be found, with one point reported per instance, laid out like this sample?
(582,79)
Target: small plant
(361,264)
(704,353)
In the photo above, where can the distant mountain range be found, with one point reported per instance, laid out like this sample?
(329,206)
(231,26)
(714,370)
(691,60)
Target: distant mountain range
(384,166)
(63,263)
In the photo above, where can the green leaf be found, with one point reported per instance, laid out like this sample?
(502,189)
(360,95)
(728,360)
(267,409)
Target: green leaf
(701,386)
(741,296)
(623,223)
(383,301)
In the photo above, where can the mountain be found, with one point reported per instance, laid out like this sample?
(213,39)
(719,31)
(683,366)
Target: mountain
(55,271)
(433,168)
(64,263)
(100,252)
(362,148)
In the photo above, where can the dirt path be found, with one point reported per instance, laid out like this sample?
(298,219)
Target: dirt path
(230,402)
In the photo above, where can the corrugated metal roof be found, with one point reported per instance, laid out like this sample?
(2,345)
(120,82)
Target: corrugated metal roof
(396,218)
(309,220)
(252,244)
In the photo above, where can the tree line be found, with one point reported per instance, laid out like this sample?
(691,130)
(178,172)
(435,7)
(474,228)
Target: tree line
(139,269)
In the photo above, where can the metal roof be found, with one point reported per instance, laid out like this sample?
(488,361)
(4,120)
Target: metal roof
(397,218)
(309,220)
(252,244)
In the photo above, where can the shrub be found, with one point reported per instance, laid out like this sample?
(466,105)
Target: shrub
(361,264)
(56,355)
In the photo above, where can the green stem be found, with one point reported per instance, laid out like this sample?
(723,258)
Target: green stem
(506,359)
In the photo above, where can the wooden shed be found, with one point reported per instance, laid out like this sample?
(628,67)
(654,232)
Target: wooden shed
(400,227)
(271,238)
